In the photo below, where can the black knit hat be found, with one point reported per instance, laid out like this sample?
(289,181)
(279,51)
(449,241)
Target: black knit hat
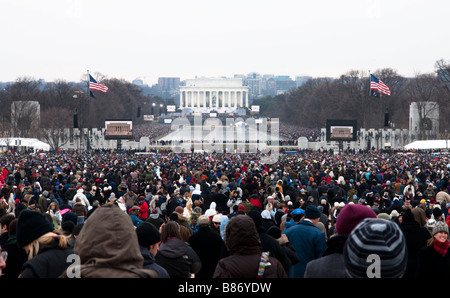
(274,231)
(437,212)
(312,212)
(147,234)
(380,238)
(30,226)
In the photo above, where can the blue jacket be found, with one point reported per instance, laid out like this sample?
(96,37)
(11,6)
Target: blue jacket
(309,242)
(136,221)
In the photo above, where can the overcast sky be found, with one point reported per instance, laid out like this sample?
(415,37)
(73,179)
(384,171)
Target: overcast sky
(62,39)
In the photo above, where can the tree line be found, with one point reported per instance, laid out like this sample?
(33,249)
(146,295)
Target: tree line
(348,98)
(63,104)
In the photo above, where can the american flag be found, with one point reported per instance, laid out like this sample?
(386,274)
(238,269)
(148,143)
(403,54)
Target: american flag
(96,86)
(377,84)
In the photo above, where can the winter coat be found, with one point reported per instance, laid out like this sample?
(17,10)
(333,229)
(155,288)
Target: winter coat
(416,238)
(196,193)
(244,246)
(210,248)
(130,199)
(172,203)
(80,210)
(308,241)
(331,264)
(431,264)
(420,214)
(56,218)
(254,200)
(108,246)
(178,258)
(50,262)
(221,201)
(442,196)
(150,263)
(16,258)
(268,243)
(44,202)
(79,194)
(155,219)
(135,220)
(143,212)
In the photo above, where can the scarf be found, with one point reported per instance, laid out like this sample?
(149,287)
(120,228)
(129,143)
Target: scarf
(441,247)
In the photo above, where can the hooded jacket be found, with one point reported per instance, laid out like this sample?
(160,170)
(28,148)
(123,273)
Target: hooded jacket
(420,214)
(108,246)
(79,194)
(244,246)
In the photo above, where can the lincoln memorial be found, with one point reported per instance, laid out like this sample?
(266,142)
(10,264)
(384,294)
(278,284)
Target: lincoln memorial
(206,94)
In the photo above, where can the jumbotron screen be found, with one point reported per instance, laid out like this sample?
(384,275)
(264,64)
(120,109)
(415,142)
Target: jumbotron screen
(341,130)
(118,129)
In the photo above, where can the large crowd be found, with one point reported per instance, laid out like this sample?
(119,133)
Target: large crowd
(153,131)
(223,215)
(289,133)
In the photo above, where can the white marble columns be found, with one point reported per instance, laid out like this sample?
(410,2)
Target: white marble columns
(213,98)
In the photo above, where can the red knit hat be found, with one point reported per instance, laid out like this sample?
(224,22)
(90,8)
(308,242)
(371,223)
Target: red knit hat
(350,216)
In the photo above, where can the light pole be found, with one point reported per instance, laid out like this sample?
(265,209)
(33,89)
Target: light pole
(79,95)
(153,110)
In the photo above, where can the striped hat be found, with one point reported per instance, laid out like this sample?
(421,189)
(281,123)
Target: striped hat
(375,248)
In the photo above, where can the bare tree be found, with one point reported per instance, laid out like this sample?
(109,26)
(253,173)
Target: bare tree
(54,125)
(443,72)
(423,92)
(25,116)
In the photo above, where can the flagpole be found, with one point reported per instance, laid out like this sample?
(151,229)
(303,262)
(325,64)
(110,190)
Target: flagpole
(88,87)
(370,94)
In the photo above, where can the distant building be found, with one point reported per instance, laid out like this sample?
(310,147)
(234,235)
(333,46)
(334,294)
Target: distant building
(284,84)
(166,88)
(138,82)
(254,83)
(424,118)
(271,87)
(300,80)
(168,83)
(169,87)
(220,94)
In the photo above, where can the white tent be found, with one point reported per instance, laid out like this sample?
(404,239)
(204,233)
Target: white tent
(428,144)
(24,142)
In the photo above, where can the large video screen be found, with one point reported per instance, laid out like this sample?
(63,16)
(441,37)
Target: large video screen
(341,130)
(118,129)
